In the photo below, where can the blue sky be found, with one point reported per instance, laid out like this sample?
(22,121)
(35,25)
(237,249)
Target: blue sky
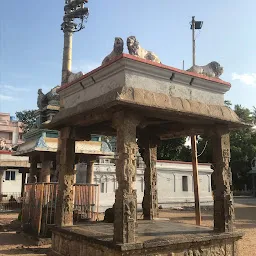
(31,42)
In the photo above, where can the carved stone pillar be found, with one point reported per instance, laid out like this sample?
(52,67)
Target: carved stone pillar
(32,170)
(222,177)
(65,162)
(126,197)
(148,150)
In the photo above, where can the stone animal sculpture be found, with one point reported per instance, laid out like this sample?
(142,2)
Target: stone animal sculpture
(118,50)
(50,98)
(213,69)
(73,76)
(135,49)
(3,145)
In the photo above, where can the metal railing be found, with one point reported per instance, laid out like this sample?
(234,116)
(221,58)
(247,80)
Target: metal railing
(86,198)
(40,203)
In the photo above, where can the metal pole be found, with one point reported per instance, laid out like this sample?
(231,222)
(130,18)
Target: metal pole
(67,56)
(194,145)
(193,41)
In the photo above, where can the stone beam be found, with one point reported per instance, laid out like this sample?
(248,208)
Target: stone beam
(65,161)
(222,179)
(174,130)
(126,196)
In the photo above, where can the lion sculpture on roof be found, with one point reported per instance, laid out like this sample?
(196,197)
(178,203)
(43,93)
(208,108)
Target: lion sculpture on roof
(135,49)
(50,98)
(117,50)
(213,69)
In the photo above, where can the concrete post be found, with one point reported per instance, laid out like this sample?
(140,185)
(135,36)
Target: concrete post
(223,195)
(126,196)
(66,162)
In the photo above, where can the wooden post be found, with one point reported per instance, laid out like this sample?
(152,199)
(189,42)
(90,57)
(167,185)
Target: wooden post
(195,178)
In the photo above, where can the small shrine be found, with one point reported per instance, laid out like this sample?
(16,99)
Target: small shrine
(40,193)
(141,101)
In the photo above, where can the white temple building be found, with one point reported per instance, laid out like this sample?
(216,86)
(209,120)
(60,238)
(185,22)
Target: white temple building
(175,183)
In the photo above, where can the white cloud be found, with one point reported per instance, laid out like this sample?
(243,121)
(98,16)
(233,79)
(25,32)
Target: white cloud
(13,88)
(5,97)
(248,79)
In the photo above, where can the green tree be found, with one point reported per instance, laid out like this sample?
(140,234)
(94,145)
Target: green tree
(254,115)
(243,149)
(28,119)
(242,146)
(228,103)
(171,149)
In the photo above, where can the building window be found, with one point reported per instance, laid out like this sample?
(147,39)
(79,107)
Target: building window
(10,136)
(10,175)
(184,183)
(102,187)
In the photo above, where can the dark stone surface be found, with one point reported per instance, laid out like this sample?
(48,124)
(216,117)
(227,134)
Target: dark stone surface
(151,234)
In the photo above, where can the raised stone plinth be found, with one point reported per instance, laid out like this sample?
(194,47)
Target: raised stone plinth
(159,237)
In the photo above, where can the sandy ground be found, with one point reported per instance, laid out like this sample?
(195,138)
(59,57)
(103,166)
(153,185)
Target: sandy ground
(245,209)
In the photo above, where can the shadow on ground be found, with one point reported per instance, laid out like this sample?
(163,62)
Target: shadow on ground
(24,251)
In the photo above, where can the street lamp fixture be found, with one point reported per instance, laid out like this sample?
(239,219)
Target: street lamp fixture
(198,25)
(74,10)
(75,14)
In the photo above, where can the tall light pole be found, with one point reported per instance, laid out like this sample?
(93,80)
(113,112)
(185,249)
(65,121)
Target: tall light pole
(195,25)
(74,11)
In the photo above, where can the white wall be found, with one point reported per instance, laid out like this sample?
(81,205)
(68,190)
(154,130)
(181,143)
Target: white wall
(12,186)
(170,192)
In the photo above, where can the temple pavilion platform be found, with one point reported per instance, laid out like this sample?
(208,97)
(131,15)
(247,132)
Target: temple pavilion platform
(153,237)
(142,103)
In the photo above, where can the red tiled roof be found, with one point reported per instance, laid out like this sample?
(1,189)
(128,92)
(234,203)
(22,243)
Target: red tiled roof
(5,152)
(128,56)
